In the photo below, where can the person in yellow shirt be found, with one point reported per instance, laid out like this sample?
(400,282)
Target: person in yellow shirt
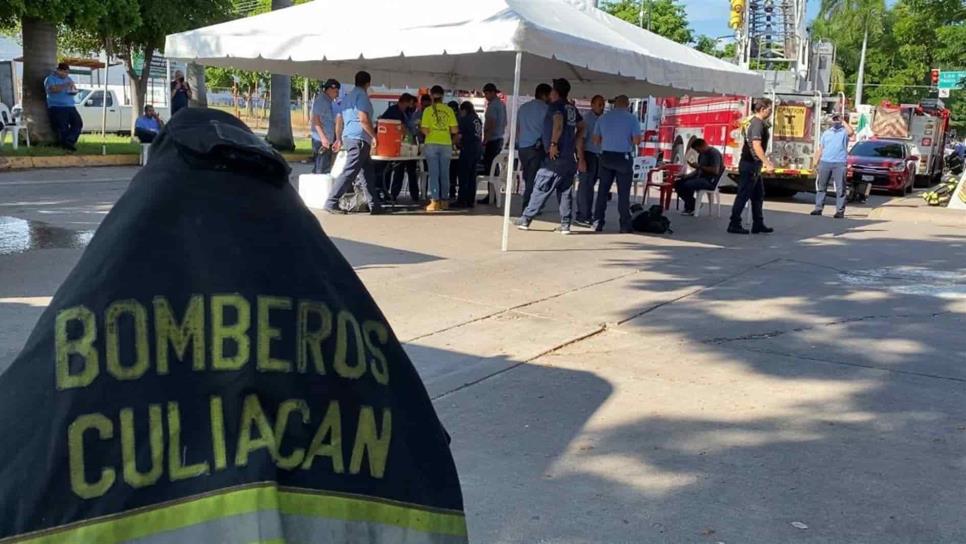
(440,127)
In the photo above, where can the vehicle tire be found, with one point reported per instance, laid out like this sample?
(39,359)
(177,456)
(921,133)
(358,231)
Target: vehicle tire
(780,192)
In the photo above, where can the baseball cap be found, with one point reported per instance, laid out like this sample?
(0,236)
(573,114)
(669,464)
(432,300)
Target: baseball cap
(331,84)
(490,88)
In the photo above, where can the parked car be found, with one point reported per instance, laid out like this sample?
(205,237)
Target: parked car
(887,164)
(90,106)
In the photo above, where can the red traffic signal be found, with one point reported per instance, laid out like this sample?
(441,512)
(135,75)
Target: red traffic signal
(934,76)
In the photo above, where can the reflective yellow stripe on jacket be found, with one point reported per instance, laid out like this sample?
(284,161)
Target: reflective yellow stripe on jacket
(265,513)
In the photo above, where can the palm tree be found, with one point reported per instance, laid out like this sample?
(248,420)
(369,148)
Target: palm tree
(865,12)
(280,116)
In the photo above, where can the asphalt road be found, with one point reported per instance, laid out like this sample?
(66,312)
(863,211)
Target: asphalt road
(808,386)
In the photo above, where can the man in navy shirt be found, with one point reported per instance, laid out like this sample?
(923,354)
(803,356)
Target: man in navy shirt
(471,147)
(618,133)
(530,119)
(563,132)
(67,123)
(358,134)
(403,111)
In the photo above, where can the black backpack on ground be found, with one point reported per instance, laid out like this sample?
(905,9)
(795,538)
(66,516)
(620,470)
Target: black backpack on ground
(651,221)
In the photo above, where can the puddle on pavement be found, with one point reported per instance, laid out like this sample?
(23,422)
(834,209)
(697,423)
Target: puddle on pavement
(911,280)
(19,235)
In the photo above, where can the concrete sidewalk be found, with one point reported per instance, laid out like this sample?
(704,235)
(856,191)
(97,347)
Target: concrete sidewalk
(696,387)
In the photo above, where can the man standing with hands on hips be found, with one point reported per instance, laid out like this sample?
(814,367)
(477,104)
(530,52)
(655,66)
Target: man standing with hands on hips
(325,141)
(830,159)
(753,161)
(357,137)
(618,133)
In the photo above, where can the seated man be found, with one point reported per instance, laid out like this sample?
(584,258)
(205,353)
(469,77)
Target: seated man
(707,171)
(147,127)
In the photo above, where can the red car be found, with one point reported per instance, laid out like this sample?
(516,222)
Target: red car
(885,164)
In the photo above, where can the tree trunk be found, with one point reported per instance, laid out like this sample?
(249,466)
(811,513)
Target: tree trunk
(138,83)
(280,116)
(196,79)
(39,60)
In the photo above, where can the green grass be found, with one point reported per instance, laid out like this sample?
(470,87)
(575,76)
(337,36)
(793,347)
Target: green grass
(91,144)
(88,144)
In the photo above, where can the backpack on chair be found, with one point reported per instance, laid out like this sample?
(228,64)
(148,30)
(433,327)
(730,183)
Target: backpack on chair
(651,221)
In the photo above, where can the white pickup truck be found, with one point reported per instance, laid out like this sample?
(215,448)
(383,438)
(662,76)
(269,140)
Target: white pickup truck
(90,104)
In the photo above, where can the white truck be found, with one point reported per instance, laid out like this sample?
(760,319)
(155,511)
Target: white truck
(90,105)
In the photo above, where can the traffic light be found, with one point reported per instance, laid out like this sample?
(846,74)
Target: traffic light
(737,16)
(934,76)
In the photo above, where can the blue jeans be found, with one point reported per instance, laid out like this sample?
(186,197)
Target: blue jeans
(67,123)
(835,172)
(619,166)
(437,161)
(554,177)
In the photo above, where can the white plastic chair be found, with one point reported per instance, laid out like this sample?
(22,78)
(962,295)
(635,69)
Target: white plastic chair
(11,125)
(642,165)
(496,181)
(713,197)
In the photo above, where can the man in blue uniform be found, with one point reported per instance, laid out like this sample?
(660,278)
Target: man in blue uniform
(588,178)
(147,126)
(494,125)
(530,119)
(562,130)
(358,134)
(67,123)
(618,133)
(325,142)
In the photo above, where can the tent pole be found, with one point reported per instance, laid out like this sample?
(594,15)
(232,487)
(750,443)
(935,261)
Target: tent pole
(510,189)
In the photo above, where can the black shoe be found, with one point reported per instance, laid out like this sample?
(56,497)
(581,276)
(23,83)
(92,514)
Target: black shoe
(378,210)
(816,212)
(598,227)
(483,201)
(839,215)
(738,229)
(761,229)
(458,206)
(70,147)
(583,224)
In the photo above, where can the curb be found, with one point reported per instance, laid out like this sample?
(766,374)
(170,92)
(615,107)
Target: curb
(944,217)
(67,161)
(74,161)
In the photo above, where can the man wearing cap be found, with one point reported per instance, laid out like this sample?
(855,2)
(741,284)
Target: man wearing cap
(563,132)
(64,119)
(494,125)
(358,134)
(325,142)
(530,119)
(618,133)
(830,158)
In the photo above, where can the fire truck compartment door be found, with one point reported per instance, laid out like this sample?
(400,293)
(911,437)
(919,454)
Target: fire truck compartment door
(790,121)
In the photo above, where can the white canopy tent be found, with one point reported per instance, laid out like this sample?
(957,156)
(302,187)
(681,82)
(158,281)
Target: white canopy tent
(464,44)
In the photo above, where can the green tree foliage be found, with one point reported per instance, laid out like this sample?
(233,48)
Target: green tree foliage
(665,17)
(905,42)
